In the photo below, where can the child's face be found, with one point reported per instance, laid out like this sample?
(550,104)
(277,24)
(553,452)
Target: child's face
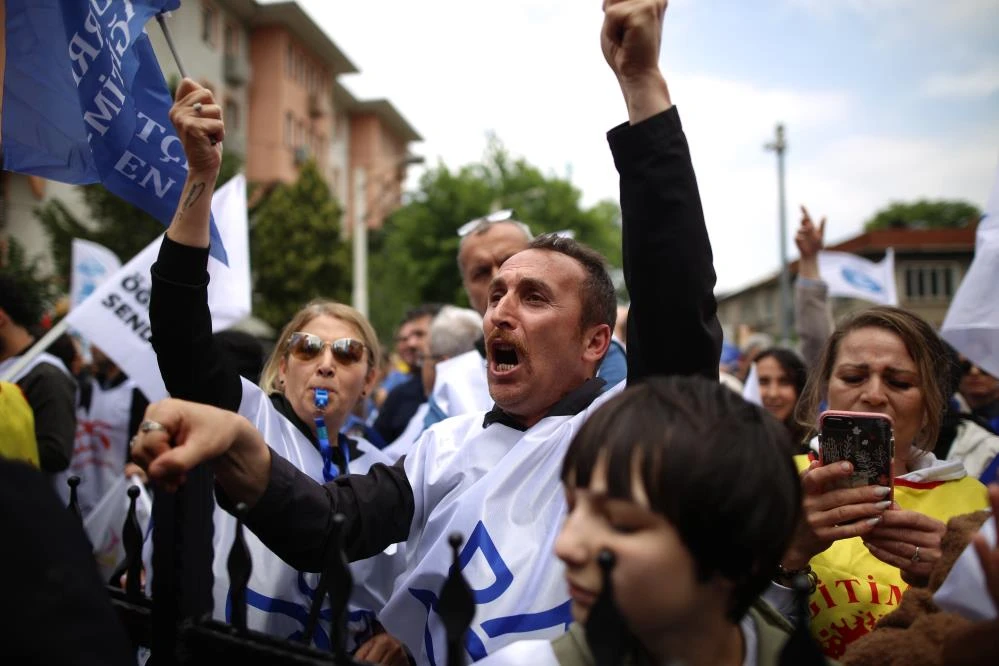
(654,577)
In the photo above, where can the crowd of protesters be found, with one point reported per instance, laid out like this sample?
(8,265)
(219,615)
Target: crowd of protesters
(639,494)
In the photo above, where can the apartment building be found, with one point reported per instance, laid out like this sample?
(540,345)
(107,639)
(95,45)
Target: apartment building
(275,72)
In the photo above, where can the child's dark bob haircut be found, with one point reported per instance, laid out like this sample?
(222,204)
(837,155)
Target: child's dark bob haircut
(717,467)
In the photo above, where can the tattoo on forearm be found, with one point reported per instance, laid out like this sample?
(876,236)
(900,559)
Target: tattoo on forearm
(194,195)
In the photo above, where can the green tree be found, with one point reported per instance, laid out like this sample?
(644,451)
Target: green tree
(413,257)
(26,272)
(296,249)
(112,222)
(924,214)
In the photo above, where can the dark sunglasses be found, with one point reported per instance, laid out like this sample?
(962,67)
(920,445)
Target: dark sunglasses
(306,346)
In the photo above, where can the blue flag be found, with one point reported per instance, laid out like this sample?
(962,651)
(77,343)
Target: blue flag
(84,101)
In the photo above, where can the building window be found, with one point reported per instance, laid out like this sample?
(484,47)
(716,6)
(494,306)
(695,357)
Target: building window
(927,282)
(289,128)
(231,42)
(209,24)
(232,115)
(289,67)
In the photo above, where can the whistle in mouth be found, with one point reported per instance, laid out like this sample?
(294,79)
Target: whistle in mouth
(321,397)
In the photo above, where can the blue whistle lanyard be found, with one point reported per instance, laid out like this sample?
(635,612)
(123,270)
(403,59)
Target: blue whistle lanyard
(330,469)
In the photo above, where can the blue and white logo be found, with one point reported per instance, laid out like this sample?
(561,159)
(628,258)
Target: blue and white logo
(861,280)
(90,271)
(480,542)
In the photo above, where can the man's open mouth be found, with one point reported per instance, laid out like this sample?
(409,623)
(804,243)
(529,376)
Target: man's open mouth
(504,356)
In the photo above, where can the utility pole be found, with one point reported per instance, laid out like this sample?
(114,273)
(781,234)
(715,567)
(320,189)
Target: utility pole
(360,242)
(381,181)
(779,145)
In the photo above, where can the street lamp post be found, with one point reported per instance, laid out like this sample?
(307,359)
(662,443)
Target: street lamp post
(779,146)
(360,242)
(361,216)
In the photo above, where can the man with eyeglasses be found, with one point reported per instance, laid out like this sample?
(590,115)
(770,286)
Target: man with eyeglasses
(494,477)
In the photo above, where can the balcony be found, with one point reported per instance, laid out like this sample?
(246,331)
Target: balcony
(236,70)
(319,105)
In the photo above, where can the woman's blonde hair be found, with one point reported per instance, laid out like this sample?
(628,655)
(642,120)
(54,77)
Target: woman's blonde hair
(317,308)
(924,346)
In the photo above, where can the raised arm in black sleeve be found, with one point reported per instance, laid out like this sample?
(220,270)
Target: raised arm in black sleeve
(295,514)
(672,323)
(193,368)
(135,415)
(52,396)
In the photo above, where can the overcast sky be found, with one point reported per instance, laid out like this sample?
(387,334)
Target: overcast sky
(882,99)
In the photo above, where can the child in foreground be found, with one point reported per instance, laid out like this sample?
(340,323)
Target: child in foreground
(692,493)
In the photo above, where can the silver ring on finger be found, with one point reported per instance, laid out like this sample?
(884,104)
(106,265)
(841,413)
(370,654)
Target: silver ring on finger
(915,555)
(152,426)
(197,108)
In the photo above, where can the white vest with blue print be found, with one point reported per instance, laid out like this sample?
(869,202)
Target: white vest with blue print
(500,488)
(279,597)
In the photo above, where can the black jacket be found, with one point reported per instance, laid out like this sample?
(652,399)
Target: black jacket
(672,329)
(56,608)
(52,396)
(399,407)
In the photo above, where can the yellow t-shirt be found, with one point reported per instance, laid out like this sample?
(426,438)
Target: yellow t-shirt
(855,588)
(17,425)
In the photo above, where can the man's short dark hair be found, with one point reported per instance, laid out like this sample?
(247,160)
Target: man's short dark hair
(597,291)
(716,467)
(421,311)
(20,300)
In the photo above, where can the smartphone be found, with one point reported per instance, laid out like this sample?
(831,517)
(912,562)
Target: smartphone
(862,438)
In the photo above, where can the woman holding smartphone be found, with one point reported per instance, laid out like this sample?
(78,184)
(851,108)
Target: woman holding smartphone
(866,545)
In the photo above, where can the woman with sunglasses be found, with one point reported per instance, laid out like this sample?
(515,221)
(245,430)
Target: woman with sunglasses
(324,361)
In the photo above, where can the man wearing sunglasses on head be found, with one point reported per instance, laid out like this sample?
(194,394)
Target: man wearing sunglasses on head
(494,477)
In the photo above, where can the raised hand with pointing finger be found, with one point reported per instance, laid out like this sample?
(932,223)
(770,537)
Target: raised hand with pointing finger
(810,239)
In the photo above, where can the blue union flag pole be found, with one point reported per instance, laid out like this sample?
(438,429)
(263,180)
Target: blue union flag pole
(84,101)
